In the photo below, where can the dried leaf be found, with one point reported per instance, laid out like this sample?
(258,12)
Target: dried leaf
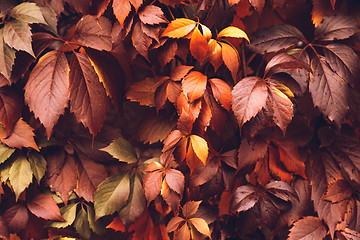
(7,57)
(244,198)
(20,175)
(68,213)
(122,150)
(190,208)
(17,35)
(151,14)
(27,12)
(38,165)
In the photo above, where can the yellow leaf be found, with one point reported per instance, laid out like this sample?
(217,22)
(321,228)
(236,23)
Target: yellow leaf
(200,147)
(233,32)
(179,28)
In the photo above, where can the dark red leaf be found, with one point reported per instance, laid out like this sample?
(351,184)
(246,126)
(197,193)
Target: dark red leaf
(308,228)
(244,198)
(16,217)
(336,27)
(10,107)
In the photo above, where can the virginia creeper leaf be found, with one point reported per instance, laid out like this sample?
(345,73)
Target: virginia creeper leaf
(152,14)
(5,152)
(17,217)
(94,33)
(44,206)
(112,194)
(136,203)
(38,165)
(47,90)
(17,35)
(7,57)
(336,27)
(200,225)
(20,175)
(88,100)
(68,213)
(122,150)
(179,28)
(248,98)
(194,85)
(122,8)
(221,91)
(275,38)
(328,89)
(244,198)
(233,32)
(81,223)
(175,180)
(231,58)
(198,45)
(152,184)
(27,12)
(190,208)
(308,228)
(200,147)
(21,136)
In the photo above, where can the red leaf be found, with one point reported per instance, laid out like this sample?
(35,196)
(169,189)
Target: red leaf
(174,223)
(94,32)
(117,224)
(140,40)
(91,174)
(152,184)
(21,136)
(170,196)
(308,228)
(248,98)
(179,72)
(88,100)
(251,151)
(47,90)
(4,232)
(122,8)
(338,191)
(61,174)
(258,5)
(175,180)
(194,85)
(10,107)
(44,206)
(221,91)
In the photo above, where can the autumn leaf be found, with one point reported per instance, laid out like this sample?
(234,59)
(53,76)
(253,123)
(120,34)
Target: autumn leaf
(68,213)
(194,85)
(38,165)
(198,45)
(152,15)
(233,32)
(21,136)
(112,194)
(231,58)
(44,206)
(27,12)
(88,100)
(121,150)
(10,107)
(336,27)
(7,57)
(179,28)
(20,175)
(94,32)
(308,228)
(47,90)
(122,8)
(17,35)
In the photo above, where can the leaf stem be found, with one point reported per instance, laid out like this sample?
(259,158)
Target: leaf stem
(243,58)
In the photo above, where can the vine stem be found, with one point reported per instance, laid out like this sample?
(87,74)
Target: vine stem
(243,59)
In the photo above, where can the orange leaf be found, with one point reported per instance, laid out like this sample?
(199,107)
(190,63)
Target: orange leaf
(198,45)
(215,52)
(194,85)
(200,147)
(117,224)
(179,72)
(174,223)
(231,58)
(175,180)
(152,184)
(183,233)
(221,91)
(179,28)
(122,9)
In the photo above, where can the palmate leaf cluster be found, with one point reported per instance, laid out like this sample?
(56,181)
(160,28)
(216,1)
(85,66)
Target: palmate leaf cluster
(179,119)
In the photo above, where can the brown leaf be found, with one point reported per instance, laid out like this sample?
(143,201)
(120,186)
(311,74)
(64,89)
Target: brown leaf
(194,85)
(275,38)
(140,40)
(201,226)
(336,27)
(328,90)
(320,9)
(94,32)
(151,14)
(203,174)
(91,174)
(182,233)
(4,232)
(144,91)
(117,225)
(258,5)
(308,228)
(175,180)
(88,100)
(248,98)
(338,191)
(61,174)
(47,90)
(284,61)
(190,208)
(179,72)
(21,136)
(44,206)
(170,196)
(10,107)
(122,8)
(251,151)
(244,198)
(174,223)
(215,52)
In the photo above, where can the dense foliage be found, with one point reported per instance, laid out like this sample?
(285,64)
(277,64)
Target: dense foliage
(180,119)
